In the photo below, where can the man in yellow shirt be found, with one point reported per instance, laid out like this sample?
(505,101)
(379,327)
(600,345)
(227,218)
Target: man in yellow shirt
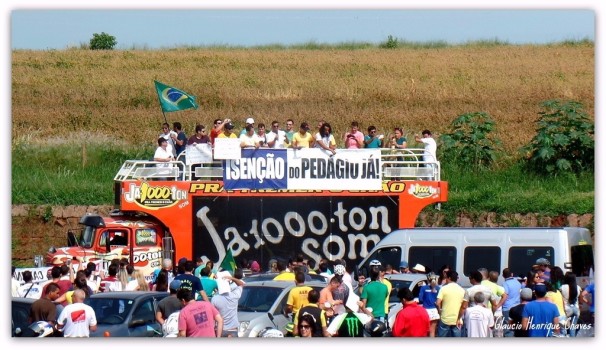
(297,297)
(228,131)
(303,138)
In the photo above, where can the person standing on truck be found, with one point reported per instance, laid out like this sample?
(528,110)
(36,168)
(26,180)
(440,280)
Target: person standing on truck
(451,305)
(217,129)
(167,134)
(180,139)
(429,154)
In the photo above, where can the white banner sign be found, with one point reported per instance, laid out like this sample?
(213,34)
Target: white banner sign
(200,153)
(227,148)
(316,169)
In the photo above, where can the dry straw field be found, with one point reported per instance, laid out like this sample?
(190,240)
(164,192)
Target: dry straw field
(110,96)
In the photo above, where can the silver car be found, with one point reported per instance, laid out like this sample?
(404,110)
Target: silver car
(262,305)
(412,281)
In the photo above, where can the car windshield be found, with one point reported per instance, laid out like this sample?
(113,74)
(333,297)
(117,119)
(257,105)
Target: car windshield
(258,298)
(395,286)
(110,310)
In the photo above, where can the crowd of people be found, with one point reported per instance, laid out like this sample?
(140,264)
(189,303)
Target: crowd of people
(172,142)
(546,302)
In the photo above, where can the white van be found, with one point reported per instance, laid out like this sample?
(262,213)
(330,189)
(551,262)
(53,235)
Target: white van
(468,249)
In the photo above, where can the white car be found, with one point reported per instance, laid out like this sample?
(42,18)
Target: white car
(412,281)
(262,305)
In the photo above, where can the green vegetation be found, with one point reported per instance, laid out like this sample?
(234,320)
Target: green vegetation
(471,143)
(564,141)
(55,175)
(102,41)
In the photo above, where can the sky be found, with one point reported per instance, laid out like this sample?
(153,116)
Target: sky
(43,29)
(60,24)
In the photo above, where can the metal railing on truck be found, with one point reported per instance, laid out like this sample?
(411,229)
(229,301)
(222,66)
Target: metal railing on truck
(397,164)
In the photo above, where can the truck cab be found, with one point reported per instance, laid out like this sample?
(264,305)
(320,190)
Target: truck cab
(102,239)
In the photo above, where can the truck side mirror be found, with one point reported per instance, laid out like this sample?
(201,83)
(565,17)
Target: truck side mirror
(72,241)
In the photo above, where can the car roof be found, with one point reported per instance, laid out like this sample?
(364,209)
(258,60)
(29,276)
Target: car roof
(267,276)
(127,295)
(282,284)
(23,300)
(406,276)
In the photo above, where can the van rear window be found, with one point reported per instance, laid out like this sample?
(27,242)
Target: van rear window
(432,257)
(582,259)
(478,257)
(521,259)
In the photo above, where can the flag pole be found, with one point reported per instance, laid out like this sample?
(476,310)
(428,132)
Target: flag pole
(164,114)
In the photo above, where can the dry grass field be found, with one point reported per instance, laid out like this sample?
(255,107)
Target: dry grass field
(110,96)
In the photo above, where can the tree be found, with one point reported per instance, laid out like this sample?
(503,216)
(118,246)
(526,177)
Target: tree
(102,41)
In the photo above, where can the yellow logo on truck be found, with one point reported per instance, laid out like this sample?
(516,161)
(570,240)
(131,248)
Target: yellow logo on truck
(154,197)
(422,191)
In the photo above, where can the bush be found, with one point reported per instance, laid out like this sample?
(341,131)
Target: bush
(564,141)
(102,41)
(391,43)
(470,143)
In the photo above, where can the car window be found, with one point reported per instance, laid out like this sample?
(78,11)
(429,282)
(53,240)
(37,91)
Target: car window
(110,310)
(20,313)
(258,298)
(395,286)
(145,312)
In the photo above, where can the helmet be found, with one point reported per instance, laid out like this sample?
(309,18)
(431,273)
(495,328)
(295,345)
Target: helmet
(41,328)
(375,262)
(377,328)
(270,333)
(170,328)
(339,270)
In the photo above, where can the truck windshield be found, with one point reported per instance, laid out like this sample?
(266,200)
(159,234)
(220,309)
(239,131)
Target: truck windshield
(87,237)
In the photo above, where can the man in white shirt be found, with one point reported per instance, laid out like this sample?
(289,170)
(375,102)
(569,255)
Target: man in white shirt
(77,320)
(276,138)
(249,138)
(170,136)
(29,289)
(430,146)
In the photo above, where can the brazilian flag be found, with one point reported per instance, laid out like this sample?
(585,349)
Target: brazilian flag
(172,99)
(228,263)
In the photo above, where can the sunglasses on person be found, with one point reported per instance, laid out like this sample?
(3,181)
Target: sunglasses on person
(304,326)
(219,122)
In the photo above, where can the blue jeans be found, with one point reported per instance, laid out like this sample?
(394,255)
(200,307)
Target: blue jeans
(445,330)
(574,319)
(504,322)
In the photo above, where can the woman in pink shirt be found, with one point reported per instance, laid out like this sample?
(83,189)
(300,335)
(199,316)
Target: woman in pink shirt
(354,139)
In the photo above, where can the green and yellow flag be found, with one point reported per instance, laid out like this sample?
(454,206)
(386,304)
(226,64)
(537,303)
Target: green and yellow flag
(172,99)
(228,263)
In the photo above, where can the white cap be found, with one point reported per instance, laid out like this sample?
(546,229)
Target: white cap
(250,121)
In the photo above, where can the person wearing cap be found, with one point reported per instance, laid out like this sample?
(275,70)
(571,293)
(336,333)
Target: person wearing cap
(543,265)
(169,304)
(541,317)
(515,313)
(228,131)
(303,138)
(404,267)
(249,138)
(249,121)
(354,139)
